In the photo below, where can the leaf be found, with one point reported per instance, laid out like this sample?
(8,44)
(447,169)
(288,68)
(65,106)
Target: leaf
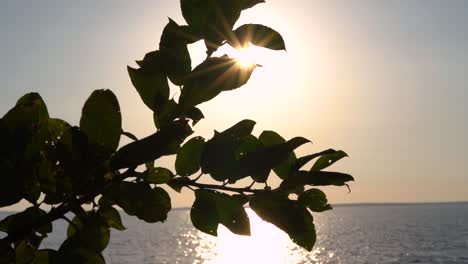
(29,110)
(44,256)
(166,113)
(246,4)
(287,215)
(173,46)
(258,35)
(150,81)
(213,208)
(212,77)
(7,254)
(85,244)
(189,157)
(17,222)
(112,217)
(270,138)
(315,200)
(24,253)
(101,119)
(150,205)
(178,184)
(195,114)
(158,175)
(219,155)
(260,161)
(212,19)
(164,142)
(316,178)
(300,162)
(327,160)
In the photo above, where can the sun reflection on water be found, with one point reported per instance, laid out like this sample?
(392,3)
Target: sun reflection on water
(267,244)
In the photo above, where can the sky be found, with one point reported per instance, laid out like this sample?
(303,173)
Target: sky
(384,81)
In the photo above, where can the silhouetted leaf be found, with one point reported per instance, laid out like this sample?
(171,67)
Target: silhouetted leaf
(101,119)
(164,142)
(289,216)
(270,138)
(259,162)
(300,162)
(195,114)
(258,35)
(112,217)
(316,178)
(158,175)
(189,157)
(166,113)
(213,208)
(85,244)
(16,222)
(173,46)
(219,155)
(327,160)
(246,4)
(7,254)
(178,184)
(150,81)
(212,77)
(249,143)
(27,113)
(212,19)
(150,205)
(315,200)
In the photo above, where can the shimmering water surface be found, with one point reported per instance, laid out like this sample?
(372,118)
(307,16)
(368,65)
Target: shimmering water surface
(425,233)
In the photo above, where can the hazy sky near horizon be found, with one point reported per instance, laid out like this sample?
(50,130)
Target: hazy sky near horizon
(386,81)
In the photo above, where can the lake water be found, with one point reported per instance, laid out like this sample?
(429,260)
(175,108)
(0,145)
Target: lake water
(420,233)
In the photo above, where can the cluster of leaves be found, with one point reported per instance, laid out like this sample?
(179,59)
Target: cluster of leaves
(52,164)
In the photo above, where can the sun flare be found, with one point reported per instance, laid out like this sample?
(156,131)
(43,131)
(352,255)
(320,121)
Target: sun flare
(247,56)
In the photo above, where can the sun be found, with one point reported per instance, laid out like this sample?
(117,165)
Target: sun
(246,56)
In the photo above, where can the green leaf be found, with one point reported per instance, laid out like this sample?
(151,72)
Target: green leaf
(151,84)
(213,208)
(219,155)
(44,256)
(189,157)
(27,113)
(24,253)
(287,215)
(270,138)
(158,175)
(112,217)
(315,200)
(101,119)
(316,178)
(327,160)
(150,205)
(85,244)
(212,77)
(164,142)
(258,35)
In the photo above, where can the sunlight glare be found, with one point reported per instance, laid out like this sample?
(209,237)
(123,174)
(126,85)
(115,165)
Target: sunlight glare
(246,56)
(267,244)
